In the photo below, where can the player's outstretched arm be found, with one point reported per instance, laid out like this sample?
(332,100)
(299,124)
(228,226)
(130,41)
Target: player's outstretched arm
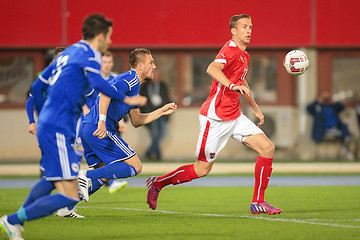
(138,119)
(101,85)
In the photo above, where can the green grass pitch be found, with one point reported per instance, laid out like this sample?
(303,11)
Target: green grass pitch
(202,213)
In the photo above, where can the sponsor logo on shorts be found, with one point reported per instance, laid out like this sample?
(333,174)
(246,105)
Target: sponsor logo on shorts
(75,167)
(212,155)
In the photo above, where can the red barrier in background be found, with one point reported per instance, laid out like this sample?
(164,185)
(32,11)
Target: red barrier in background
(182,24)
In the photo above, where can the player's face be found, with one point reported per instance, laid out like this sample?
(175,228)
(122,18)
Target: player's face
(106,41)
(107,64)
(149,67)
(242,32)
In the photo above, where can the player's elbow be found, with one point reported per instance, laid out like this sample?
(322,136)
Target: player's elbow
(213,68)
(208,70)
(136,125)
(137,122)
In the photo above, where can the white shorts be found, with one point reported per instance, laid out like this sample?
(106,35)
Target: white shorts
(214,135)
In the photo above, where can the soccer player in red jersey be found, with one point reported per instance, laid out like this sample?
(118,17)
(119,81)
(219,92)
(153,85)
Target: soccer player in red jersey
(220,118)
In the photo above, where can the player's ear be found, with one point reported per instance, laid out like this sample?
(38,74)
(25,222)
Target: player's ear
(140,66)
(233,31)
(101,36)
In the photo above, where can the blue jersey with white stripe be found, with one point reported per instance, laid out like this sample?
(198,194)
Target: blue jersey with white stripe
(68,82)
(129,84)
(92,94)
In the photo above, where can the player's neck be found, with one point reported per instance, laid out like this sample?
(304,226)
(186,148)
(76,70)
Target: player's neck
(105,75)
(240,44)
(141,78)
(94,44)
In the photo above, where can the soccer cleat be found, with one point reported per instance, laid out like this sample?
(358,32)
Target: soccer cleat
(153,193)
(264,207)
(117,185)
(84,184)
(13,231)
(66,213)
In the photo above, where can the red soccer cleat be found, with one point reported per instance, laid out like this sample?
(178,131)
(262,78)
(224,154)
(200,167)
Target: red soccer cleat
(264,207)
(153,193)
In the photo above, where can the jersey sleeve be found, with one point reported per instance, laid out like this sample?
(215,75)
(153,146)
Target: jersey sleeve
(91,97)
(30,109)
(92,63)
(225,55)
(121,86)
(39,87)
(101,85)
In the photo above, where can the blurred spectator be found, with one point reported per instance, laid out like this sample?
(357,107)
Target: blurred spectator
(157,93)
(358,111)
(327,124)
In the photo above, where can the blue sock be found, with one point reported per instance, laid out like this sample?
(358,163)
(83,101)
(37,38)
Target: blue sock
(96,185)
(113,170)
(42,207)
(111,181)
(41,188)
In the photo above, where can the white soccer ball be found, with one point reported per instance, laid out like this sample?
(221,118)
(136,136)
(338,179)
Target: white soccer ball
(296,62)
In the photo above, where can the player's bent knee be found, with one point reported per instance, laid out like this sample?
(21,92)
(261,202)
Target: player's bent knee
(138,167)
(268,149)
(202,171)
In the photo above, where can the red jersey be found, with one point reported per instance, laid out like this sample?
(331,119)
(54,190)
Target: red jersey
(222,103)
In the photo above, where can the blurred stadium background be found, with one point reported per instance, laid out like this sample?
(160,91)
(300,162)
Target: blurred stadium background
(184,37)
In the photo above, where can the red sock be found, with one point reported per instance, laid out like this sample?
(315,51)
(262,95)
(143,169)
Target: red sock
(185,173)
(262,176)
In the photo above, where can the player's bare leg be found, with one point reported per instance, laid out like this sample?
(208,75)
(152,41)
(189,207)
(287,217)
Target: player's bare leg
(103,173)
(263,168)
(185,173)
(135,162)
(68,188)
(202,168)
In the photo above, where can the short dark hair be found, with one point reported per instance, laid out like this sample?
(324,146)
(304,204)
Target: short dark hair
(235,18)
(94,25)
(134,56)
(58,50)
(108,54)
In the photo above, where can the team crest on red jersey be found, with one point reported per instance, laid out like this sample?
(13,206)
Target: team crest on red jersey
(212,155)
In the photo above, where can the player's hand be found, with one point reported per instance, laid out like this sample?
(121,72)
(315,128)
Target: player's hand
(122,126)
(169,108)
(32,128)
(241,89)
(260,116)
(100,132)
(136,100)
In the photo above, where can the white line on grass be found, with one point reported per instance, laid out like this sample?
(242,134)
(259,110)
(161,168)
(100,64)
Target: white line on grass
(234,216)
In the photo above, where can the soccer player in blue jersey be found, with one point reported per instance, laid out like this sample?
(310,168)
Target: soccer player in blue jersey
(104,150)
(69,76)
(106,67)
(30,102)
(91,95)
